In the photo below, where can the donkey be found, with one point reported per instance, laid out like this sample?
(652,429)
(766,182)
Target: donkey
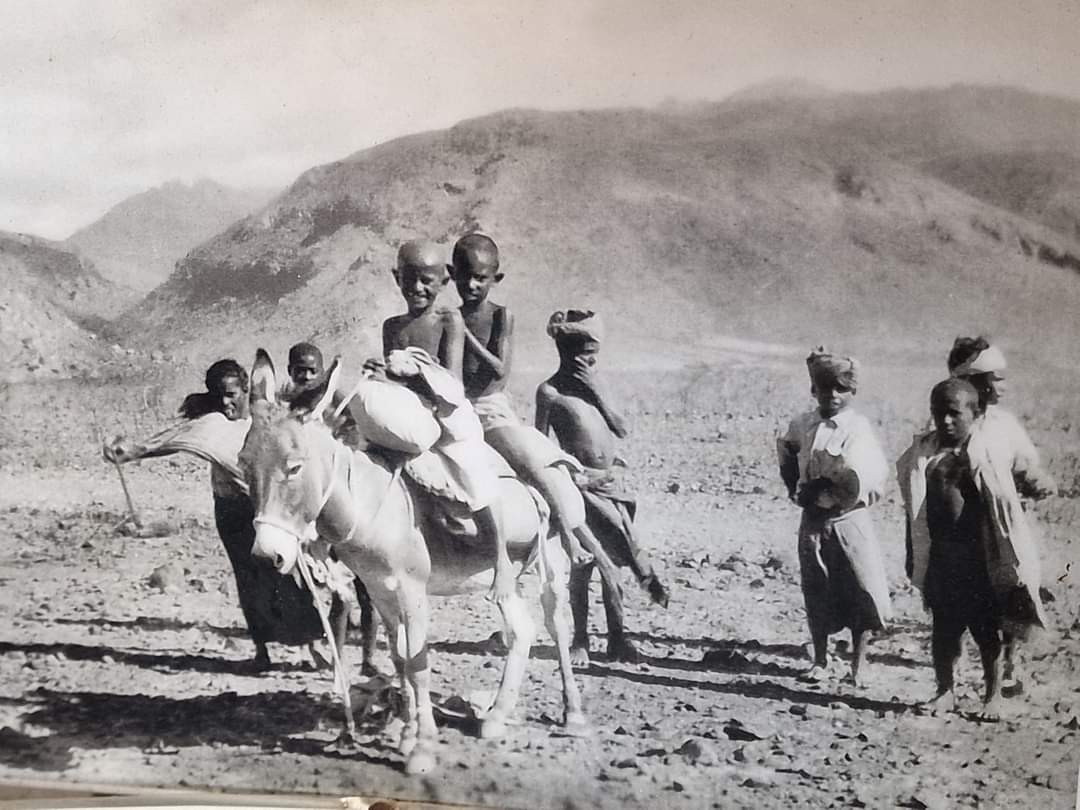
(301,477)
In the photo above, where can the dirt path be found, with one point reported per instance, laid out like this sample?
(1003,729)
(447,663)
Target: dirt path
(104,678)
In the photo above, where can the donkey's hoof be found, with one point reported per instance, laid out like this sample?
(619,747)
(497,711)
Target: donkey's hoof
(576,725)
(492,727)
(422,760)
(407,745)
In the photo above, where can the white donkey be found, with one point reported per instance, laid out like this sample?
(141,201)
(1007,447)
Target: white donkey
(301,476)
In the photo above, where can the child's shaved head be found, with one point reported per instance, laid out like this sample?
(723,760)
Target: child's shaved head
(476,249)
(305,350)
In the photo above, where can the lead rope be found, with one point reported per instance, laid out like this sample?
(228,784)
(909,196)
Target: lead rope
(340,676)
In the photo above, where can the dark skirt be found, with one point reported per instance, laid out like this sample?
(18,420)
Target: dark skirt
(274,607)
(843,575)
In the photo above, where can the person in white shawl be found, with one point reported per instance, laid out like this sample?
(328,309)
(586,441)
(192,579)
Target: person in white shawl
(972,554)
(834,468)
(1013,463)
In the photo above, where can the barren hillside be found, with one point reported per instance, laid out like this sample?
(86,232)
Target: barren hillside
(51,303)
(779,221)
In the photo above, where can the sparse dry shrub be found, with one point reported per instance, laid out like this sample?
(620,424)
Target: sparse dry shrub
(848,182)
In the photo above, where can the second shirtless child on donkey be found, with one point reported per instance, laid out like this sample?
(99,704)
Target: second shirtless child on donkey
(486,361)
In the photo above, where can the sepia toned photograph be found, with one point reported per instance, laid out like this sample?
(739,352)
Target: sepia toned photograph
(558,405)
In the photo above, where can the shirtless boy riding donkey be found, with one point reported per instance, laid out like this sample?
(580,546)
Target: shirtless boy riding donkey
(441,333)
(574,405)
(488,360)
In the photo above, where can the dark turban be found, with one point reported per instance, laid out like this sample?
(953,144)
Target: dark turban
(831,369)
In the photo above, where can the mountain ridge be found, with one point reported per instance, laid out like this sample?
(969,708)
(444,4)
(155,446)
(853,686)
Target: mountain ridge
(766,220)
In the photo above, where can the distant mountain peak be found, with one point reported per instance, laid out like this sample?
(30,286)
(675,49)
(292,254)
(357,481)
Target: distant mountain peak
(140,239)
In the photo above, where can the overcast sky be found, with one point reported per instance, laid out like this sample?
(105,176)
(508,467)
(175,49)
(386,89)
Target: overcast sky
(101,100)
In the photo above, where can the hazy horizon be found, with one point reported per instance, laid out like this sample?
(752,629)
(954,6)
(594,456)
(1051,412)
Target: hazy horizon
(107,100)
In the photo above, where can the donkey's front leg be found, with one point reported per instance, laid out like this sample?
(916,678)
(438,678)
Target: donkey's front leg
(395,629)
(520,633)
(414,623)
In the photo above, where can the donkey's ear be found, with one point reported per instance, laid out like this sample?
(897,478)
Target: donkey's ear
(326,390)
(263,379)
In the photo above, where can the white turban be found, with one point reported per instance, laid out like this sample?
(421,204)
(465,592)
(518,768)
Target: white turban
(989,361)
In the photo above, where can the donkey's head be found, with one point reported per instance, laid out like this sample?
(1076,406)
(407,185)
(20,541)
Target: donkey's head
(288,462)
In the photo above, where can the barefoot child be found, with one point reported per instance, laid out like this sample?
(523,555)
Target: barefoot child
(574,405)
(439,333)
(980,570)
(983,365)
(487,361)
(835,470)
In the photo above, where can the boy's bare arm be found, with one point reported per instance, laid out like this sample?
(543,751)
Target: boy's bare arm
(500,359)
(602,400)
(387,336)
(452,345)
(543,409)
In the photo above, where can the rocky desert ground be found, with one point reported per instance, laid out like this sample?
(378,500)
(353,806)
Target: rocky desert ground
(110,673)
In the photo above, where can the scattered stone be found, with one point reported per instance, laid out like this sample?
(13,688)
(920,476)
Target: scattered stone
(725,658)
(798,709)
(697,752)
(677,787)
(736,731)
(167,577)
(773,563)
(756,782)
(673,487)
(1061,780)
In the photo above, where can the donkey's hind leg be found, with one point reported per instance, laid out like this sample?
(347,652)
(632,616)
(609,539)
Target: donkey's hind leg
(554,597)
(415,617)
(520,632)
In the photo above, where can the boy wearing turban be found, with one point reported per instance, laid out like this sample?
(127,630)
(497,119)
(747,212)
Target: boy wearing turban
(834,468)
(574,406)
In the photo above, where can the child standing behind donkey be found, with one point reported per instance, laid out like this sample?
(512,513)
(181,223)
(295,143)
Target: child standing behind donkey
(834,468)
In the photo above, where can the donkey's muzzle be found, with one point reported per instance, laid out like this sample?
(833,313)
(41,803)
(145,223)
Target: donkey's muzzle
(276,544)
